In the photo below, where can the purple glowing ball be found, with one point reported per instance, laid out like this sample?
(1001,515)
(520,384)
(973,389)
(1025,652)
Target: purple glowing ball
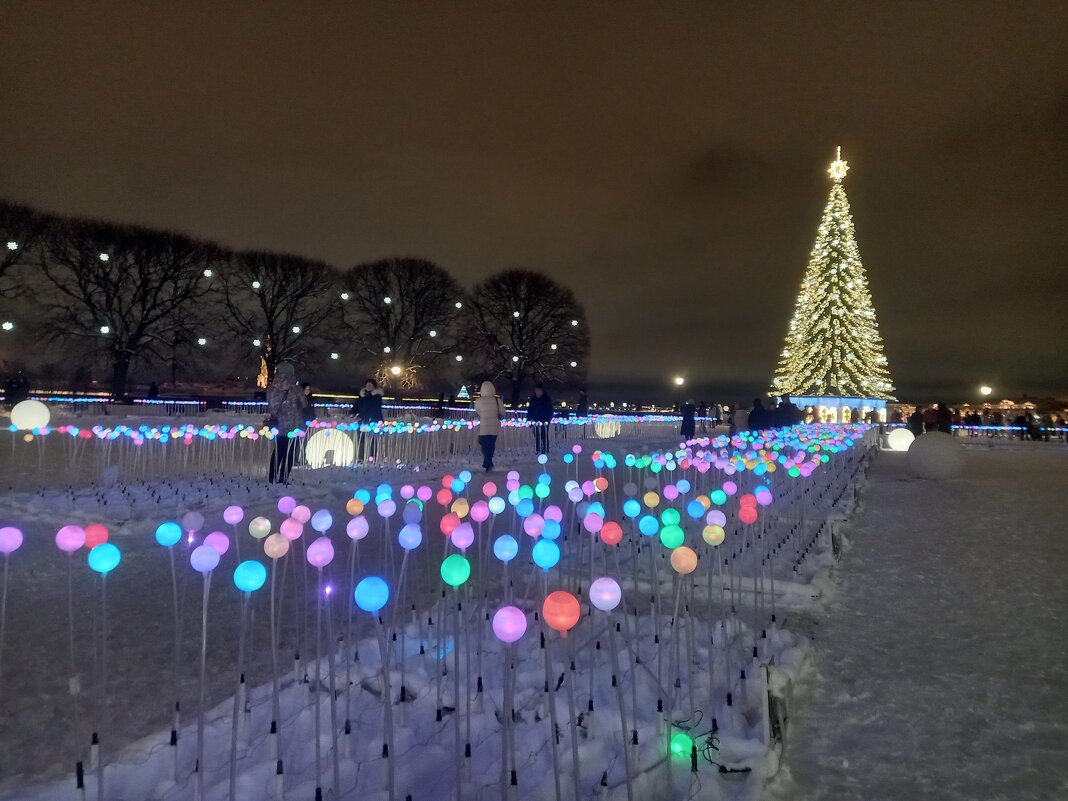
(70,538)
(321,552)
(204,559)
(219,541)
(509,624)
(10,539)
(233,515)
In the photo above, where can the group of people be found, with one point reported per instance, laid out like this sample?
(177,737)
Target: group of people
(940,417)
(540,412)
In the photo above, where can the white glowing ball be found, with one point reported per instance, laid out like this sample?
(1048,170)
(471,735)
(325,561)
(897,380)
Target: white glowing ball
(607,429)
(30,414)
(899,439)
(328,447)
(936,454)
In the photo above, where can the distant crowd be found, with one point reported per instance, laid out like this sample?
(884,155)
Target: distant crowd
(940,417)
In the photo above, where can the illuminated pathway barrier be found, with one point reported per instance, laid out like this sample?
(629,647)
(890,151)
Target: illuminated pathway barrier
(592,626)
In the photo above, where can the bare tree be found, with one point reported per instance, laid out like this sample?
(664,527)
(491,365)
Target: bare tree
(402,313)
(118,289)
(277,304)
(21,229)
(525,327)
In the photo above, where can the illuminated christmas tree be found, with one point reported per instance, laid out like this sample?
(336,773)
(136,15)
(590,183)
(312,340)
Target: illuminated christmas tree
(833,346)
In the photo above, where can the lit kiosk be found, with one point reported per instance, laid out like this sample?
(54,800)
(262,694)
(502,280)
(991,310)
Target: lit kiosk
(833,363)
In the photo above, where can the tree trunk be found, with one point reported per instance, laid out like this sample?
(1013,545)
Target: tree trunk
(120,369)
(517,385)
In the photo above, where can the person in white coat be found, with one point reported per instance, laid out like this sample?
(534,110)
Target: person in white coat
(490,413)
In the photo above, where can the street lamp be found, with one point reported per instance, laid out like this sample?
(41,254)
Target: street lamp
(395,370)
(985,390)
(679,381)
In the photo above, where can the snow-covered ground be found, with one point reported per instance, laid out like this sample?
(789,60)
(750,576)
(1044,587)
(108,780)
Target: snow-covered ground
(40,739)
(940,664)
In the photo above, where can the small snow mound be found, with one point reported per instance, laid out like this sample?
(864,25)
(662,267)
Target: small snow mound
(936,455)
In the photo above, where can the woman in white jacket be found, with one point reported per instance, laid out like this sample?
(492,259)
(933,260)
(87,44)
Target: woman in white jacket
(490,414)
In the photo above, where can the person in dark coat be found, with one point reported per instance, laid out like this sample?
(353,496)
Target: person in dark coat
(758,416)
(583,407)
(688,428)
(787,414)
(540,412)
(368,412)
(153,391)
(944,418)
(915,423)
(702,414)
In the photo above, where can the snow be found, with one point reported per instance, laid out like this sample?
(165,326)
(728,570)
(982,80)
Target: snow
(38,739)
(940,660)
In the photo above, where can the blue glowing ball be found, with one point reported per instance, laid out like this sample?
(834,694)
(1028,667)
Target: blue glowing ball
(465,476)
(525,508)
(362,495)
(371,594)
(384,489)
(458,485)
(496,505)
(168,534)
(410,536)
(568,458)
(631,508)
(413,512)
(546,554)
(104,558)
(505,547)
(551,530)
(542,458)
(545,478)
(683,486)
(249,576)
(648,525)
(595,508)
(695,509)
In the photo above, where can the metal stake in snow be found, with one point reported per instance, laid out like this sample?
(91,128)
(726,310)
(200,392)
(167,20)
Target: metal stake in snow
(248,577)
(204,560)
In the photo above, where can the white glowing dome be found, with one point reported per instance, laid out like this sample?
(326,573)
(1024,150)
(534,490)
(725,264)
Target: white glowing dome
(30,414)
(328,447)
(900,439)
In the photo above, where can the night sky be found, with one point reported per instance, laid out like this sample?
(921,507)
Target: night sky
(666,161)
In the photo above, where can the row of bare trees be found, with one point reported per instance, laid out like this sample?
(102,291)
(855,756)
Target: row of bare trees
(137,298)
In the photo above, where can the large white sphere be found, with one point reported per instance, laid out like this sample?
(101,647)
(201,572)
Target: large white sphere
(936,454)
(900,439)
(30,414)
(329,447)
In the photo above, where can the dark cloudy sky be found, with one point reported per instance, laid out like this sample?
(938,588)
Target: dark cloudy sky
(666,160)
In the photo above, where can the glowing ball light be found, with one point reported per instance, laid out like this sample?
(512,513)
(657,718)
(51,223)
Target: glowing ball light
(496,505)
(748,515)
(371,594)
(611,533)
(30,414)
(534,525)
(329,448)
(631,508)
(670,517)
(354,506)
(684,560)
(167,534)
(424,494)
(322,520)
(460,507)
(713,535)
(321,552)
(671,492)
(302,514)
(106,557)
(95,534)
(550,530)
(204,559)
(718,497)
(357,528)
(651,499)
(747,500)
(605,594)
(480,512)
(286,505)
(463,536)
(192,521)
(936,455)
(525,508)
(413,513)
(291,529)
(648,525)
(455,570)
(10,539)
(561,611)
(672,536)
(681,745)
(259,527)
(489,489)
(448,523)
(387,508)
(276,546)
(410,537)
(900,439)
(509,624)
(716,518)
(505,548)
(546,554)
(233,515)
(249,576)
(71,538)
(593,522)
(219,541)
(695,509)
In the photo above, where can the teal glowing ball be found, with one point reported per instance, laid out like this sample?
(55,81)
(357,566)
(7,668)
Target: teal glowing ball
(718,497)
(546,554)
(670,517)
(371,594)
(672,536)
(249,576)
(168,534)
(104,558)
(648,525)
(631,508)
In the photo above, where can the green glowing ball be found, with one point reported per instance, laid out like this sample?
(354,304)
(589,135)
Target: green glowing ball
(455,570)
(672,536)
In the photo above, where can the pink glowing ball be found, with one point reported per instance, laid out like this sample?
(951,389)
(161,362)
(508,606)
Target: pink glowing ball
(10,539)
(533,525)
(509,624)
(407,492)
(480,511)
(513,475)
(730,487)
(671,492)
(748,515)
(605,594)
(424,494)
(219,541)
(204,559)
(286,505)
(592,523)
(576,449)
(588,488)
(716,518)
(70,538)
(321,552)
(463,536)
(276,546)
(489,489)
(233,515)
(512,485)
(357,528)
(95,534)
(301,514)
(387,508)
(291,529)
(764,498)
(554,513)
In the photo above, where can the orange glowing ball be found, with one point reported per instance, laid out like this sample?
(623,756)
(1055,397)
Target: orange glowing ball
(601,483)
(561,611)
(684,560)
(354,506)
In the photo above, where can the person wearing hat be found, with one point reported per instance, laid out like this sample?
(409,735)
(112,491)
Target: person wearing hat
(287,412)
